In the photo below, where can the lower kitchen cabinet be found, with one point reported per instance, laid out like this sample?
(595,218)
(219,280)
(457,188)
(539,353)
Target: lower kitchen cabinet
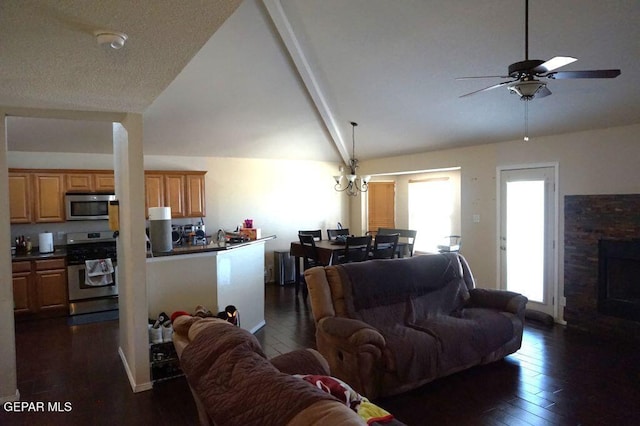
(40,289)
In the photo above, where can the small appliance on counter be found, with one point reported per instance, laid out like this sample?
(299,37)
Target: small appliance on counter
(160,229)
(176,234)
(45,242)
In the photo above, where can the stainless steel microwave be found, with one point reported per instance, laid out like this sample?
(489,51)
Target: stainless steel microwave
(88,206)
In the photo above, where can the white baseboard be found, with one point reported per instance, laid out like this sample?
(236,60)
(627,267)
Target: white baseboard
(258,326)
(134,386)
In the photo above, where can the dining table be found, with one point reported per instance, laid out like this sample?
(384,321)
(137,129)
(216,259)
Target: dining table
(328,252)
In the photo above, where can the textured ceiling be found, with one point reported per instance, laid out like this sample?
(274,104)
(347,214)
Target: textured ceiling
(390,66)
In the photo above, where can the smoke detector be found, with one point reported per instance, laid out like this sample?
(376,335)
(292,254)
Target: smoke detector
(114,39)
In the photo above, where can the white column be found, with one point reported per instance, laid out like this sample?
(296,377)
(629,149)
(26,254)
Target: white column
(8,378)
(129,175)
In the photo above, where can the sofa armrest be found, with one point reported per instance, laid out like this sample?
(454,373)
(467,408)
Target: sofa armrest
(503,300)
(302,361)
(352,332)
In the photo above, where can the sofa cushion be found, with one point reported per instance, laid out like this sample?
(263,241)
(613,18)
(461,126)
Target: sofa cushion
(386,282)
(463,341)
(410,353)
(449,299)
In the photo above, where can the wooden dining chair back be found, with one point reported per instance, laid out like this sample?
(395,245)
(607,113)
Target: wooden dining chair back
(384,246)
(333,233)
(406,235)
(310,258)
(317,234)
(356,249)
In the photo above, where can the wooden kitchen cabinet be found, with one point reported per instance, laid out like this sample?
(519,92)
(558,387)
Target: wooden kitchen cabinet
(22,288)
(48,197)
(154,191)
(195,201)
(184,192)
(174,190)
(40,289)
(104,182)
(90,182)
(51,286)
(79,182)
(20,210)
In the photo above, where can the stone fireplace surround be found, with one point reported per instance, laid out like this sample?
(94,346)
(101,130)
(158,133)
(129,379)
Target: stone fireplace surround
(587,219)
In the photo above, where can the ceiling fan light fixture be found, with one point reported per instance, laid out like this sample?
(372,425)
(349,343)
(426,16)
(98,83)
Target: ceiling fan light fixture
(114,39)
(527,89)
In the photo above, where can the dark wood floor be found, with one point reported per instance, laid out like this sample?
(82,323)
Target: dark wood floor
(559,377)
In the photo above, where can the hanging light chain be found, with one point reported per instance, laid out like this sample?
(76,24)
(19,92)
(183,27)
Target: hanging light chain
(526,121)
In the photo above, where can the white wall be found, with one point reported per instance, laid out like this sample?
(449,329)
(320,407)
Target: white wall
(281,196)
(595,162)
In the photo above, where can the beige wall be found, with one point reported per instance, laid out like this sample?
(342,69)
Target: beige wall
(595,162)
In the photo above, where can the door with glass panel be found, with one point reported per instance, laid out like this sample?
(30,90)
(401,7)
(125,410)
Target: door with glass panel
(527,232)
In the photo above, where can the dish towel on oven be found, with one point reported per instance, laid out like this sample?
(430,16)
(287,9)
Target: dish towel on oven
(98,272)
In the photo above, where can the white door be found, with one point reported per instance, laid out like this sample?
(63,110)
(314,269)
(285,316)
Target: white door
(527,232)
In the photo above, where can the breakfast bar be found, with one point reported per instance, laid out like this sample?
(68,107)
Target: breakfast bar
(210,275)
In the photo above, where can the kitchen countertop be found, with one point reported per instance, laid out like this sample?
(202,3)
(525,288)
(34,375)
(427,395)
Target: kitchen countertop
(36,255)
(191,249)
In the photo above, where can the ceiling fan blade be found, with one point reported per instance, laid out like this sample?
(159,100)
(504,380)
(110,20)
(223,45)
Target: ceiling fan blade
(543,92)
(559,75)
(495,86)
(483,76)
(553,63)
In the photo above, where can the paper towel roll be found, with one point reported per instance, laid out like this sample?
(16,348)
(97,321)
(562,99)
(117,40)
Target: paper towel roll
(45,242)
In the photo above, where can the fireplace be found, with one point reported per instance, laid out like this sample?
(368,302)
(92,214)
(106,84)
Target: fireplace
(599,299)
(619,278)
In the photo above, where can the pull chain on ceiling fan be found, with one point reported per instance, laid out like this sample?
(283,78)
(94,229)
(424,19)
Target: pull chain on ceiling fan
(525,75)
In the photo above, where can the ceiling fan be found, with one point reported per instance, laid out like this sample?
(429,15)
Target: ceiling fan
(525,74)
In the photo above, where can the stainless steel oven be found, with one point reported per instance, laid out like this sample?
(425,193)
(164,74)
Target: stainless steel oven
(84,297)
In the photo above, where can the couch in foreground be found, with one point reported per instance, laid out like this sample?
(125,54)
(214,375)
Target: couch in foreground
(233,383)
(388,326)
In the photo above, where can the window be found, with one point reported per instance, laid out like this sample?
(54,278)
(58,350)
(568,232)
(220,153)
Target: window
(431,206)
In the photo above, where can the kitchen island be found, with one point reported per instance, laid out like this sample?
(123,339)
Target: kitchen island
(210,275)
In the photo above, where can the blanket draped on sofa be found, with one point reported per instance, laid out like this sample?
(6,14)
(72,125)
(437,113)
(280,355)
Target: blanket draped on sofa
(206,362)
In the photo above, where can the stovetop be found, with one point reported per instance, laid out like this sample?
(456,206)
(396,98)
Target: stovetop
(83,246)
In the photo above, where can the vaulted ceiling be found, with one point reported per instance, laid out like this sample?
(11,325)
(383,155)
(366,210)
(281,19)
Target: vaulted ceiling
(283,78)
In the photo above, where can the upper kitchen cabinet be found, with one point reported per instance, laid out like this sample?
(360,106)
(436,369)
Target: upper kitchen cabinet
(48,197)
(20,197)
(104,182)
(153,191)
(182,191)
(195,201)
(174,190)
(90,181)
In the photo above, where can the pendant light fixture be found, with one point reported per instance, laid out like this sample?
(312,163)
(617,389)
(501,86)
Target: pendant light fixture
(354,183)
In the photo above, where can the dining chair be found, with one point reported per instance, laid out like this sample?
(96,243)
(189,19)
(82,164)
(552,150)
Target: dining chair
(356,249)
(333,233)
(317,234)
(408,235)
(310,257)
(384,246)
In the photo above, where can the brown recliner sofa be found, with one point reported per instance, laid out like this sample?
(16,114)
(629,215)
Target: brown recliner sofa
(233,383)
(388,326)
